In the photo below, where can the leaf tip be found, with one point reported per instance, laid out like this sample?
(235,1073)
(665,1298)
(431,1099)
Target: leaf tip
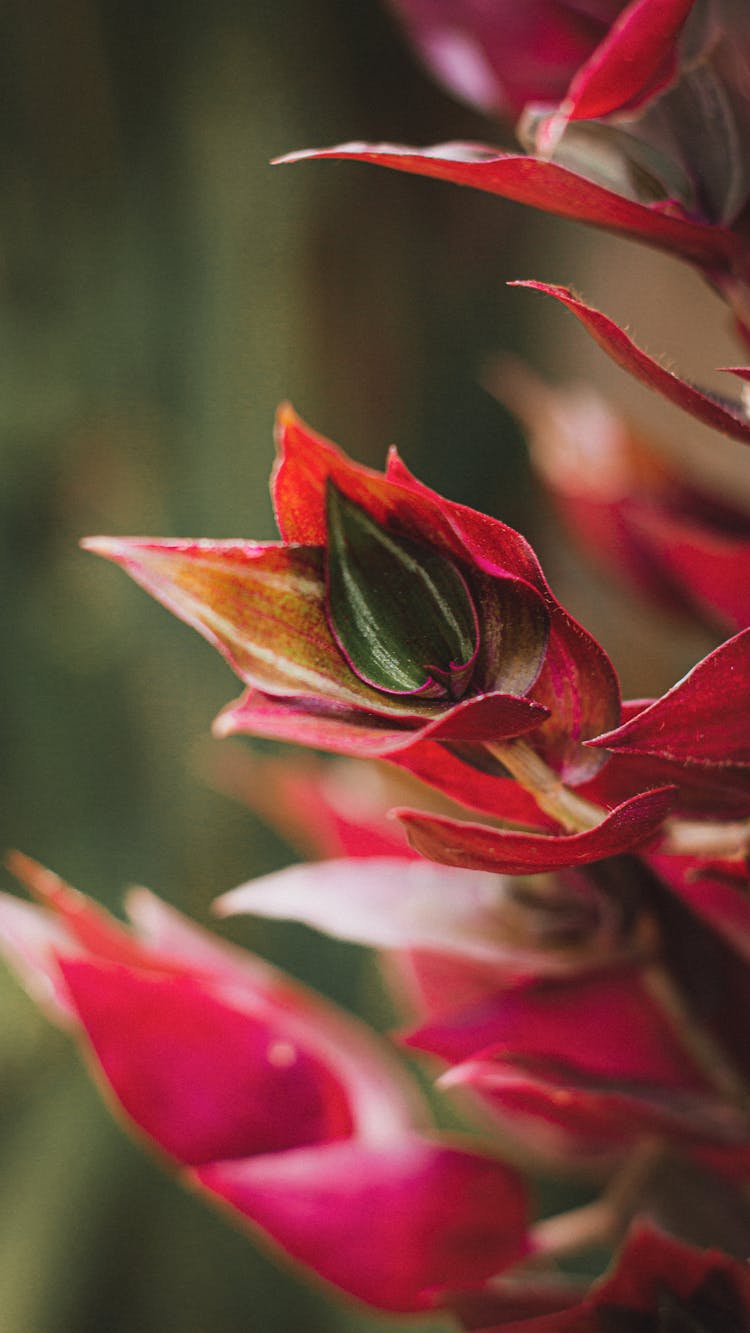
(111,548)
(35,877)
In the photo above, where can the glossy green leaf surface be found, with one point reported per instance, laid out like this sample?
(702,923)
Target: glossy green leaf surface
(401,612)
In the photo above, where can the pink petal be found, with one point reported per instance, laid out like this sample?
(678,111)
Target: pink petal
(202,1079)
(389,903)
(730,418)
(393,1226)
(703,719)
(229,1067)
(85,926)
(552,188)
(29,942)
(501,56)
(382,1100)
(479,847)
(171,953)
(605,1025)
(426,985)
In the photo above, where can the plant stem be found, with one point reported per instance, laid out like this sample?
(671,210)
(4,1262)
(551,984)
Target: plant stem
(698,838)
(551,795)
(604,1220)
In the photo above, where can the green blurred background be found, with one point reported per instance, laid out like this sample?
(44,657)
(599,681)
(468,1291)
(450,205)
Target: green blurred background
(161,289)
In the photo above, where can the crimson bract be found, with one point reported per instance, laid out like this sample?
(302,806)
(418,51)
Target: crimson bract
(266,1098)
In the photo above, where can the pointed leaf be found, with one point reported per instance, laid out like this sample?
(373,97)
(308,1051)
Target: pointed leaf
(717,792)
(514,634)
(552,188)
(460,772)
(636,59)
(728,417)
(305,462)
(703,719)
(262,606)
(577,685)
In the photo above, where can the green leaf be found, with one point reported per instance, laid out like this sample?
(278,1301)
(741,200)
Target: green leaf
(399,610)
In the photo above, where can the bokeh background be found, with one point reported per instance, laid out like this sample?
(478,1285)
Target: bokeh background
(161,289)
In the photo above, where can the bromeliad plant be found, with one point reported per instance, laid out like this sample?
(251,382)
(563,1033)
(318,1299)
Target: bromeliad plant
(569,917)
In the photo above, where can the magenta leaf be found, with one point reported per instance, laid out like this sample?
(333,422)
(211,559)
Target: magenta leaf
(479,847)
(635,58)
(715,892)
(703,719)
(364,734)
(695,1288)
